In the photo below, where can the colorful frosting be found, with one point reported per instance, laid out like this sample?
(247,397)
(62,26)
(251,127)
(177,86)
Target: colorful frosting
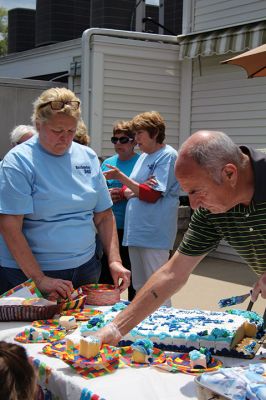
(144,346)
(36,334)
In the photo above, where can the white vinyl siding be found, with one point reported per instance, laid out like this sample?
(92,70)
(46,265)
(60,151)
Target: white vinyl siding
(44,60)
(223,99)
(136,77)
(215,14)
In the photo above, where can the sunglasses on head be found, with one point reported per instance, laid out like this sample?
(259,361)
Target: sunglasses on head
(58,105)
(122,140)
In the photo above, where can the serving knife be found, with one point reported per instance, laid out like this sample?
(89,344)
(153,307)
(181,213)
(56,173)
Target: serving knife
(232,301)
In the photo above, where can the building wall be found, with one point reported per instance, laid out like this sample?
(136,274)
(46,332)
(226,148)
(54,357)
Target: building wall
(222,98)
(130,77)
(213,14)
(16,98)
(40,61)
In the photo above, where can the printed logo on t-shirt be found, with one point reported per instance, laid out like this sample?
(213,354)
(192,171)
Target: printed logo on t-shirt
(85,168)
(151,167)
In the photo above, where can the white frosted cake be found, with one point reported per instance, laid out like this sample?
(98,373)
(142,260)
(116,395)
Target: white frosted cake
(184,330)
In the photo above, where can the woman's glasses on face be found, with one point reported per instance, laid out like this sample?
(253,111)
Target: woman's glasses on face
(122,140)
(58,105)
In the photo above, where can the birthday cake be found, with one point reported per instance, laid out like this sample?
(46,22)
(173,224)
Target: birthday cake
(184,330)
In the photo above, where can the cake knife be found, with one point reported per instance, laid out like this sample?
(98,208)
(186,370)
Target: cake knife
(231,301)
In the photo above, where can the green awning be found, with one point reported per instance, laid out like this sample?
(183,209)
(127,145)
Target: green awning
(222,41)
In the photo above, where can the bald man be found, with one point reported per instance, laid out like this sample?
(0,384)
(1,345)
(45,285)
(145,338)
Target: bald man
(226,188)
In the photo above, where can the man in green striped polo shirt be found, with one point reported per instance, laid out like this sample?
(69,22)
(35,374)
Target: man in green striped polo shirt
(226,185)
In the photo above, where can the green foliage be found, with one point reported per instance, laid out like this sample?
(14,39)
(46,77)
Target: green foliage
(3,31)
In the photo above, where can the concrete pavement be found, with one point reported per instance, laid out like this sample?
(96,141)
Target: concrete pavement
(214,279)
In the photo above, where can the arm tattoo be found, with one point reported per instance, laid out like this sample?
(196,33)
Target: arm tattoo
(154,294)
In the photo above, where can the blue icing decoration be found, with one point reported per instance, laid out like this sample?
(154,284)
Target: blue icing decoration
(144,346)
(218,333)
(193,337)
(119,306)
(194,355)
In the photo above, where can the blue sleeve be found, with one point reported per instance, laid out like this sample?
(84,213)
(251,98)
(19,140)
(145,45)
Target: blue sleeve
(15,191)
(104,199)
(164,173)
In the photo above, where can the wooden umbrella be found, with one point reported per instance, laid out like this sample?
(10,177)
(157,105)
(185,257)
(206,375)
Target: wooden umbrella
(253,61)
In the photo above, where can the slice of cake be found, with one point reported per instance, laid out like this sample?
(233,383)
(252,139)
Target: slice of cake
(89,346)
(142,351)
(68,322)
(72,342)
(197,359)
(36,334)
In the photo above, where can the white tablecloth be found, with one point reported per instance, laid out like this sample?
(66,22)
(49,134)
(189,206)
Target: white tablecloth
(126,383)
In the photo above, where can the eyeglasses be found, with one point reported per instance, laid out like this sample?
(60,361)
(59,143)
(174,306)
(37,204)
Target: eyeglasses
(58,105)
(122,140)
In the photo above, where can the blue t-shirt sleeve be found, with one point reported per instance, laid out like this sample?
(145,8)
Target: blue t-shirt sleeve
(16,192)
(164,173)
(104,199)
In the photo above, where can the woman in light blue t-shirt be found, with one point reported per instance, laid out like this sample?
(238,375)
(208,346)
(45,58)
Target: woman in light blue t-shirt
(53,196)
(152,192)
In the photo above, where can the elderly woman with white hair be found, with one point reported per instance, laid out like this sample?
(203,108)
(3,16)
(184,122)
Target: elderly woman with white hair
(21,133)
(53,197)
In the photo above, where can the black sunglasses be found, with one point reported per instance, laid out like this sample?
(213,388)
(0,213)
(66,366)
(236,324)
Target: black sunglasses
(122,140)
(58,105)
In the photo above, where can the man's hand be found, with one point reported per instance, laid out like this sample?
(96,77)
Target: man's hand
(109,334)
(54,288)
(259,288)
(120,275)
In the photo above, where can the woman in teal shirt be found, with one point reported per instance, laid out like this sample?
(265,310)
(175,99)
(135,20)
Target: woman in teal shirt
(124,159)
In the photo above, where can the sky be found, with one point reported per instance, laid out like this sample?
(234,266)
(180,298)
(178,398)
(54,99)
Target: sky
(32,3)
(8,4)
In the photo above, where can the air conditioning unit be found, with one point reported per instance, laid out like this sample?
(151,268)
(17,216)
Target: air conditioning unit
(112,14)
(21,29)
(60,20)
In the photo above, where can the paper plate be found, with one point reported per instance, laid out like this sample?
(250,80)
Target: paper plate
(55,335)
(180,362)
(107,362)
(48,324)
(107,355)
(82,315)
(126,357)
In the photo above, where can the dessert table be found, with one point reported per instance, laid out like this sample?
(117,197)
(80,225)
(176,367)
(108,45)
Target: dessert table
(147,383)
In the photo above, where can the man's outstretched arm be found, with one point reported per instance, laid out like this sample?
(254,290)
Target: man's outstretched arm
(170,278)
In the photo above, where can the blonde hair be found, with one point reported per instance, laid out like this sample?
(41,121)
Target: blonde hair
(152,122)
(17,376)
(81,135)
(42,113)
